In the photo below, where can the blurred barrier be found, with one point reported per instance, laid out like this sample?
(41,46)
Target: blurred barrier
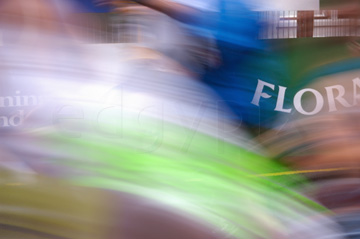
(297,24)
(118,28)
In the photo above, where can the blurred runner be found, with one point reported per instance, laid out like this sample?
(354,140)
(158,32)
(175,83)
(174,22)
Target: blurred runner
(239,60)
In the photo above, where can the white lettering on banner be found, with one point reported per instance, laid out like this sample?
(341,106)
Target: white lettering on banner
(356,82)
(335,97)
(16,118)
(319,102)
(259,92)
(280,101)
(18,100)
(339,97)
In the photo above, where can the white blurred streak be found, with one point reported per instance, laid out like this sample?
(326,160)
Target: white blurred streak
(286,5)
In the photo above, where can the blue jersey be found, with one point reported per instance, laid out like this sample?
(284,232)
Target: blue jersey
(245,59)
